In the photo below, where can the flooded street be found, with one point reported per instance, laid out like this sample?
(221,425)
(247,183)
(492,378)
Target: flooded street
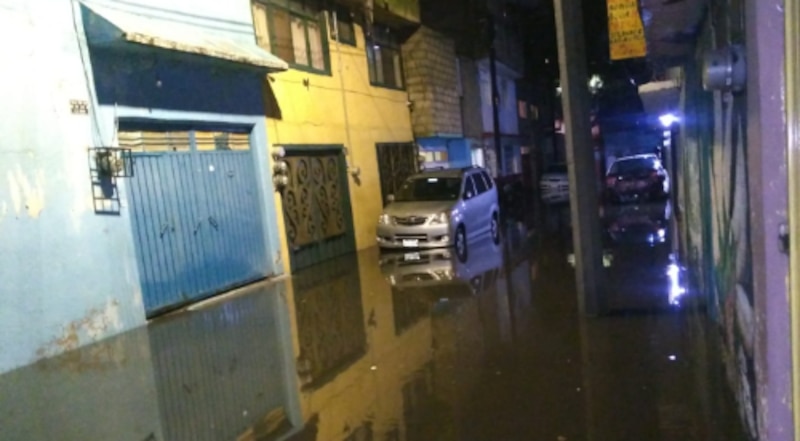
(414,346)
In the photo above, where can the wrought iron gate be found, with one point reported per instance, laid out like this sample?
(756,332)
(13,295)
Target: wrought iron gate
(196,215)
(396,162)
(316,205)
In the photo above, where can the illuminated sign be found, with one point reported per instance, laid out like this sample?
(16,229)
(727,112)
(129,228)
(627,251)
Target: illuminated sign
(625,30)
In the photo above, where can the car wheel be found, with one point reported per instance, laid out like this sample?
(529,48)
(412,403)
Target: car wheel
(461,243)
(494,227)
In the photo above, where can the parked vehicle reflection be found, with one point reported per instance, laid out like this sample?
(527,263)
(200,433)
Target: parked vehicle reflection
(443,269)
(643,224)
(646,274)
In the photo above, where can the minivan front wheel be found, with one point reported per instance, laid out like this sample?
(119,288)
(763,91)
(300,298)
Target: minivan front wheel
(460,243)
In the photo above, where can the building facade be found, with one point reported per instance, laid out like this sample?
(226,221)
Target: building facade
(136,170)
(732,151)
(339,119)
(436,93)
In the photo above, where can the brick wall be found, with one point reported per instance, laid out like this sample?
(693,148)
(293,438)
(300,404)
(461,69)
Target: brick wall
(432,81)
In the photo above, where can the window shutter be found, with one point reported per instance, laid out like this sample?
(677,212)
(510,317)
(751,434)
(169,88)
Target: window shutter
(260,25)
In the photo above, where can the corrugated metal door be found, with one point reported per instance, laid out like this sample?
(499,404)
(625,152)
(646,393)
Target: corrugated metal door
(196,215)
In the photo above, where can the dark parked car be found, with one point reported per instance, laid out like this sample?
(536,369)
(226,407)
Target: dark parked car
(637,178)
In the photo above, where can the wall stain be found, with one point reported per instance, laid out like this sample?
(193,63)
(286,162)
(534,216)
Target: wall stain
(95,324)
(26,194)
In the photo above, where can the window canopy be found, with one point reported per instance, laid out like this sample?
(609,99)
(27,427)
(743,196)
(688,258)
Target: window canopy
(112,27)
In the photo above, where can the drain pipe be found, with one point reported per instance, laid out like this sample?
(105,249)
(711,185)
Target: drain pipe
(352,169)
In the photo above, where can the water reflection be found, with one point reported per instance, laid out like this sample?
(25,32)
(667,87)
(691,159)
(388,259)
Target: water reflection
(330,321)
(406,347)
(440,271)
(646,275)
(216,373)
(638,224)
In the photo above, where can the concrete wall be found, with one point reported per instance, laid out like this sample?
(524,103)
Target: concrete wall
(471,105)
(734,198)
(766,137)
(315,114)
(507,91)
(430,65)
(69,275)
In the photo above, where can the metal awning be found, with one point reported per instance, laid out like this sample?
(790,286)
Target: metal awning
(671,28)
(660,97)
(110,27)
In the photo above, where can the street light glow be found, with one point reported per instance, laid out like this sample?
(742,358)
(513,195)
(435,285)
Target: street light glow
(668,119)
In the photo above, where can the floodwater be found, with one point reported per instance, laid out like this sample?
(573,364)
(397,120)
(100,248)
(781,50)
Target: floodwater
(413,346)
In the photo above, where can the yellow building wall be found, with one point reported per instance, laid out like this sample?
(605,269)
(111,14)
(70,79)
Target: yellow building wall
(371,389)
(314,114)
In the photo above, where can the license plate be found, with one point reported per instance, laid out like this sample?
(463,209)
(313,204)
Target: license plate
(412,256)
(411,243)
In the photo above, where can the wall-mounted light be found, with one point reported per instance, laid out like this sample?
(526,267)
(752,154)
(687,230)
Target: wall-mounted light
(278,152)
(280,182)
(280,169)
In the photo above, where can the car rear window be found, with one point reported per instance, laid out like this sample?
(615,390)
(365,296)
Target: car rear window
(633,165)
(560,168)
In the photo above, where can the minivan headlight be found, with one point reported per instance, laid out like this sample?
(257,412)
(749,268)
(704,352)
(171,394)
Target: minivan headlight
(384,219)
(441,218)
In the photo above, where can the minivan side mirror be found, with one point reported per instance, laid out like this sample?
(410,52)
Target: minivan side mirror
(468,195)
(390,198)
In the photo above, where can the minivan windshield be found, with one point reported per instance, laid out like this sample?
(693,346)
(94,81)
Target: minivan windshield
(429,189)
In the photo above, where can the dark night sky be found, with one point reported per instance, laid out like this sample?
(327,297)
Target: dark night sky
(620,94)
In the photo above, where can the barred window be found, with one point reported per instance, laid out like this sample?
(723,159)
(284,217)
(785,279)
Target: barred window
(383,57)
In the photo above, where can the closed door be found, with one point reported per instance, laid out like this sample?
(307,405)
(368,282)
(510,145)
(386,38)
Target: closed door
(196,214)
(316,205)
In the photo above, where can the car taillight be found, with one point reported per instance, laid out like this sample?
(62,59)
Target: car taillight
(610,181)
(654,175)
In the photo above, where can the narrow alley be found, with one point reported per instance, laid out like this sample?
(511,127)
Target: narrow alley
(410,346)
(400,220)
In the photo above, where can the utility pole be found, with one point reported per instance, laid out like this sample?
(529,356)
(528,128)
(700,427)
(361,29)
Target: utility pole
(580,158)
(498,147)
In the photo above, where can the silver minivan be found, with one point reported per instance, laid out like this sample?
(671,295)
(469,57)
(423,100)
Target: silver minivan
(439,209)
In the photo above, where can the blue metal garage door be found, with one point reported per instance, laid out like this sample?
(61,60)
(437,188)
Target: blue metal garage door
(196,215)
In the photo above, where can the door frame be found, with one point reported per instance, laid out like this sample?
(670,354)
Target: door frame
(792,43)
(258,147)
(348,244)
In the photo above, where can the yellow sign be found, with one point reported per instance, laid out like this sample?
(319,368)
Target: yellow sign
(625,30)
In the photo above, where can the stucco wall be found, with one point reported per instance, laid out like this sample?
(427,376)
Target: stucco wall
(733,195)
(69,276)
(314,114)
(766,136)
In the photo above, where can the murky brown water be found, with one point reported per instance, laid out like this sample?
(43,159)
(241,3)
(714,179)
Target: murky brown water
(416,347)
